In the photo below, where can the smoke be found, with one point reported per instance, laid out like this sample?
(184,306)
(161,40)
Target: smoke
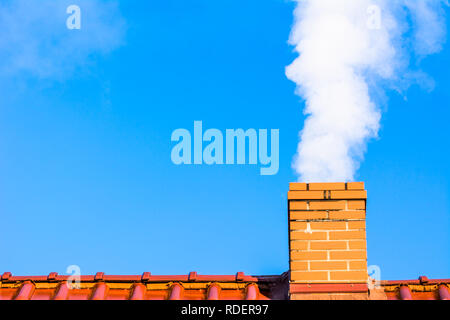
(349,49)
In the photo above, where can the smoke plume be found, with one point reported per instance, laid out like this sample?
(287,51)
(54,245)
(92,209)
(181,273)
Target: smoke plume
(349,49)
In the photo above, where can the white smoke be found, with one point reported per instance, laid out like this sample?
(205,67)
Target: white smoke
(347,50)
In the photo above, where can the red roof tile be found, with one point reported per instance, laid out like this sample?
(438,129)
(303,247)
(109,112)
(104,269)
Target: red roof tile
(203,287)
(421,289)
(144,287)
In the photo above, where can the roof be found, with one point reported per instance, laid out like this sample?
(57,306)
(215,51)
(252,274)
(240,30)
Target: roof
(143,287)
(200,287)
(421,289)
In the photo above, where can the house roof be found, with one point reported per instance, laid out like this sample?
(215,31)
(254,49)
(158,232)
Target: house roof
(420,289)
(143,287)
(198,287)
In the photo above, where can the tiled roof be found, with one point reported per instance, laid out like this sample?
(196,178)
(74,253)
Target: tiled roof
(144,287)
(421,289)
(201,287)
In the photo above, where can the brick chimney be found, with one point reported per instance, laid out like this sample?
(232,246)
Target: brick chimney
(327,241)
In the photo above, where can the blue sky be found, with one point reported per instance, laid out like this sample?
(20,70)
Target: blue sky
(85,126)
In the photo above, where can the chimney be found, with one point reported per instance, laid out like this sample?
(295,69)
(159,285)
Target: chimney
(327,241)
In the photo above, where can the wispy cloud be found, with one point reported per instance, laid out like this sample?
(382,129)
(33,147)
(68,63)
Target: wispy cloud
(35,42)
(428,24)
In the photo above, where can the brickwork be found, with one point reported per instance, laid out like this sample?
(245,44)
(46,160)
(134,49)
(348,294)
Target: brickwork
(327,233)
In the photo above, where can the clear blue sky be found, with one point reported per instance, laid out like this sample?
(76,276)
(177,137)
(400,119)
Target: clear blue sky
(85,124)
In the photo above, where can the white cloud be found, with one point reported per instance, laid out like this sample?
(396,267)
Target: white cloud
(429,25)
(34,39)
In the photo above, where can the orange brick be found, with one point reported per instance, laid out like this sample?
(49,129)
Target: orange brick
(328,245)
(297,186)
(299,245)
(356,204)
(329,225)
(347,255)
(357,244)
(349,194)
(347,215)
(355,186)
(347,235)
(358,265)
(327,186)
(296,225)
(327,205)
(308,255)
(298,235)
(310,215)
(309,276)
(349,275)
(327,296)
(356,225)
(299,265)
(328,265)
(298,205)
(305,195)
